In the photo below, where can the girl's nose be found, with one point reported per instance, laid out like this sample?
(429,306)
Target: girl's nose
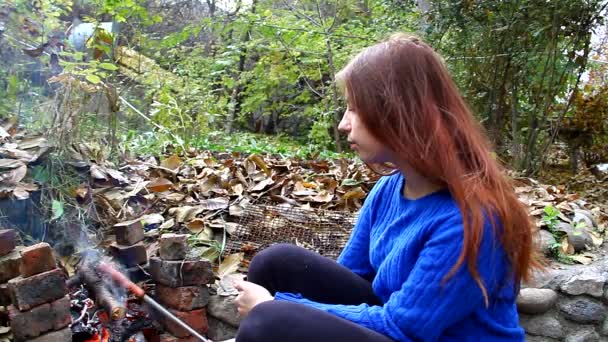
(344,125)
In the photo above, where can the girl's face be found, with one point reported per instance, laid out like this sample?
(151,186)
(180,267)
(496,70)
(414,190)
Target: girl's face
(370,150)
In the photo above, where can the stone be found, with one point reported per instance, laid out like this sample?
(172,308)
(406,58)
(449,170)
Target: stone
(46,287)
(173,246)
(139,273)
(584,216)
(185,298)
(535,301)
(564,227)
(546,241)
(9,239)
(532,338)
(604,327)
(129,255)
(545,325)
(600,171)
(588,282)
(224,309)
(36,259)
(40,319)
(550,278)
(63,335)
(196,319)
(5,295)
(220,331)
(129,233)
(181,273)
(587,334)
(9,266)
(580,240)
(582,310)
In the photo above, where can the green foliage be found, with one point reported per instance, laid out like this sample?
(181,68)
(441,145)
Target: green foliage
(153,143)
(8,95)
(514,60)
(124,10)
(550,217)
(268,67)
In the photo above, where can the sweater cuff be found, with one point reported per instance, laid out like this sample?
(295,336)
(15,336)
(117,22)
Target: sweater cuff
(288,297)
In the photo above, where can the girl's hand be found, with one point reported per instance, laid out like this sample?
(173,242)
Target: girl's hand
(250,295)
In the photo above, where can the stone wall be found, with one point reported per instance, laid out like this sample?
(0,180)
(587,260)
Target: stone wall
(567,303)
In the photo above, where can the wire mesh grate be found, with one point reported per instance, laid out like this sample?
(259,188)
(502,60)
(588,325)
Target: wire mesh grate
(262,225)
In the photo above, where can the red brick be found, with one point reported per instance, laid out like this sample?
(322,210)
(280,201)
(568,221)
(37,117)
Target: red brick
(185,298)
(37,259)
(41,319)
(173,246)
(63,335)
(196,319)
(9,266)
(182,272)
(130,255)
(171,338)
(5,295)
(129,233)
(9,238)
(46,287)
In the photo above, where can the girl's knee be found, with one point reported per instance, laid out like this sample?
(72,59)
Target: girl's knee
(260,322)
(269,260)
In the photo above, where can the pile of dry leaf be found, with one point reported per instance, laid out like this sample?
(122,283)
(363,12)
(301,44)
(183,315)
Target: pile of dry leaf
(205,193)
(16,153)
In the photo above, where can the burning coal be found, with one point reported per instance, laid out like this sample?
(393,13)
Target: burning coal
(102,312)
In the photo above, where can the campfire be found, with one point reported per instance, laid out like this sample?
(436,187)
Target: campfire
(102,311)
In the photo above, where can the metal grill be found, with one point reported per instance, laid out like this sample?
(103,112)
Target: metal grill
(322,231)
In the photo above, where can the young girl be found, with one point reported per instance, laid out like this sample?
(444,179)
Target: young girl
(441,244)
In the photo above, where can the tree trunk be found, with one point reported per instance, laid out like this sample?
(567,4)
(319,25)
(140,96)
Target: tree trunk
(425,7)
(334,95)
(235,97)
(515,143)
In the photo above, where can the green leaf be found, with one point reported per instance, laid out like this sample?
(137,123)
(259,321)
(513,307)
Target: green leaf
(108,66)
(350,182)
(93,79)
(57,208)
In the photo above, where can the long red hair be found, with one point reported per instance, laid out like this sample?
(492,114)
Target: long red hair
(404,95)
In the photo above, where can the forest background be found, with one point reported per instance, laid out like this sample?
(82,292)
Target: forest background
(258,76)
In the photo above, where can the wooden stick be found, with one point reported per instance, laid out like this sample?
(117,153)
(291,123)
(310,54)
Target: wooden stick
(103,296)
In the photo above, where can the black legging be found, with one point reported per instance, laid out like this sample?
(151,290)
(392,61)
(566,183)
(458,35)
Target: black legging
(288,268)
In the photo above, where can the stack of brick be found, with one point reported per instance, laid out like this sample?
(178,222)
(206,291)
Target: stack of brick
(9,262)
(181,286)
(129,248)
(40,310)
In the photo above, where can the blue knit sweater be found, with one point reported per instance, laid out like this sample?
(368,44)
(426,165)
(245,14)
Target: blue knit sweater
(406,247)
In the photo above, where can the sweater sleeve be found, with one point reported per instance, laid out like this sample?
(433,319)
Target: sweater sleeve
(355,255)
(425,306)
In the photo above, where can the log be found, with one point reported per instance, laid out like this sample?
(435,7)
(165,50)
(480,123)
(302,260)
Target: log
(103,297)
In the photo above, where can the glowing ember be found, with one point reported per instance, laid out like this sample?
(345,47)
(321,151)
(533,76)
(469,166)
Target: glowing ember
(103,337)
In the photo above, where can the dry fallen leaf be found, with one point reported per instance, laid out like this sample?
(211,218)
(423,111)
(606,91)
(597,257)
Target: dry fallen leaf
(20,193)
(171,163)
(583,258)
(185,213)
(196,225)
(10,163)
(356,193)
(260,163)
(263,184)
(159,185)
(215,203)
(567,248)
(15,175)
(230,264)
